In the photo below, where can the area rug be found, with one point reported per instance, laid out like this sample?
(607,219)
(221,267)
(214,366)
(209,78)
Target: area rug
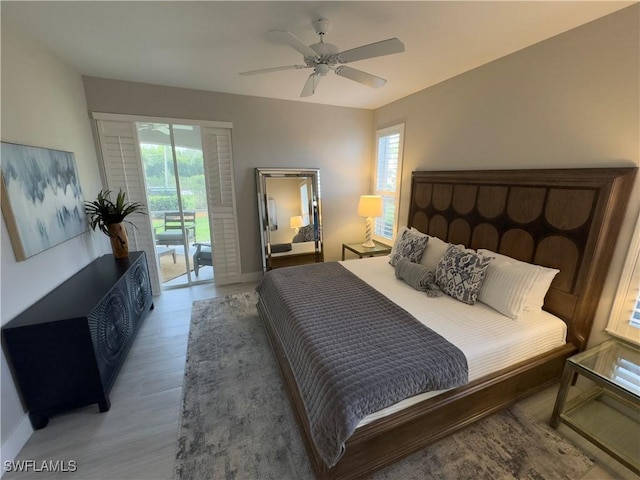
(170,270)
(236,422)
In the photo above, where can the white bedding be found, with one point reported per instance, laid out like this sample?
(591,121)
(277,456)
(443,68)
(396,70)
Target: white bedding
(489,340)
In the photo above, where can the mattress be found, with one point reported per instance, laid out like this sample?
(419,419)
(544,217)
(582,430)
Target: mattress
(489,340)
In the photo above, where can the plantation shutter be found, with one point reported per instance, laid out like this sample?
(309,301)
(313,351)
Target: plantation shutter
(123,170)
(218,172)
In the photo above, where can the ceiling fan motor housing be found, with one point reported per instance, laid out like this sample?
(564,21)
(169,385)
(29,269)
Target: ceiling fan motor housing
(321,26)
(327,54)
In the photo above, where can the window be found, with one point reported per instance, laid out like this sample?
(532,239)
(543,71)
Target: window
(625,316)
(388,175)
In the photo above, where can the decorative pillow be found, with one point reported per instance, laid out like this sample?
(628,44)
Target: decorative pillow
(410,246)
(417,276)
(397,240)
(305,234)
(460,273)
(506,286)
(399,237)
(543,277)
(433,253)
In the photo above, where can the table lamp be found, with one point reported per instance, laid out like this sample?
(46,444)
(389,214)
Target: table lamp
(369,206)
(296,222)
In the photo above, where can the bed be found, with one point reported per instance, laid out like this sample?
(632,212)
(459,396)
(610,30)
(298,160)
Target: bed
(562,219)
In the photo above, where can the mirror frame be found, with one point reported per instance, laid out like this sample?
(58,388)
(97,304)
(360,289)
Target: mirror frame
(315,209)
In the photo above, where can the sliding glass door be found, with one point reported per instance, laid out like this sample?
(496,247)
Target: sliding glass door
(179,156)
(173,164)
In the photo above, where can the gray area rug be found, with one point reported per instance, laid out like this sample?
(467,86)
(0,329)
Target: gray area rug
(236,421)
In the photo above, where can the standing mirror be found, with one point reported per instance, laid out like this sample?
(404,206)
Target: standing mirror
(290,216)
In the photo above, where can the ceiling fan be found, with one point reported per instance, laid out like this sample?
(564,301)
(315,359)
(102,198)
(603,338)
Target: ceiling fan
(323,57)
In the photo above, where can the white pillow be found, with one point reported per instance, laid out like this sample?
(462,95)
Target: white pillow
(534,299)
(436,249)
(506,286)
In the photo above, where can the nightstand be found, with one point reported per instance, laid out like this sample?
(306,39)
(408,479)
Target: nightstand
(608,414)
(360,251)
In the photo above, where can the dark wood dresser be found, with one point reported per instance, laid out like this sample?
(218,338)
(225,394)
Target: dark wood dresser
(66,350)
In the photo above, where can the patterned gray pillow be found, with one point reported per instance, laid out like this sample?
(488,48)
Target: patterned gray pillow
(410,246)
(460,273)
(305,234)
(417,276)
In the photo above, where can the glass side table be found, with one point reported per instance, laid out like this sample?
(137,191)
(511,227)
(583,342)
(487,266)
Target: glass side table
(608,414)
(358,249)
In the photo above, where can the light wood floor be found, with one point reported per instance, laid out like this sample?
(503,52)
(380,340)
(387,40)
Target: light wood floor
(137,438)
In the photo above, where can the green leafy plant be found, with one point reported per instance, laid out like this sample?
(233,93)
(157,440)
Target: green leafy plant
(103,212)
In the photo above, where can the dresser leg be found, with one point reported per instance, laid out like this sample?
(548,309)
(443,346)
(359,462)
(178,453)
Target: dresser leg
(105,405)
(38,420)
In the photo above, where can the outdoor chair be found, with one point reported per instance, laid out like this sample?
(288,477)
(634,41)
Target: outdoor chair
(202,256)
(176,229)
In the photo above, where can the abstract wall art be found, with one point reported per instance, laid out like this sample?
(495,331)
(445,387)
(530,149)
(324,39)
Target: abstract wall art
(42,200)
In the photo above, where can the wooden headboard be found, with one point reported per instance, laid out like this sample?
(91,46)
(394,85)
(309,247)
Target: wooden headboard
(567,219)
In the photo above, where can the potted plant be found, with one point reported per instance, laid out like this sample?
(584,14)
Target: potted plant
(109,217)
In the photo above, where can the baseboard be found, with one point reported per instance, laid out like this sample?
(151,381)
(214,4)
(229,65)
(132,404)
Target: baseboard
(17,439)
(251,277)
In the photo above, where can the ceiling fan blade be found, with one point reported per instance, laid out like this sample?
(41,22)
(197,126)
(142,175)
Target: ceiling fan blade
(360,76)
(294,42)
(378,49)
(311,86)
(274,69)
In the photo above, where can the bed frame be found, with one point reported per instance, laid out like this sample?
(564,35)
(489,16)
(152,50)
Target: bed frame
(567,219)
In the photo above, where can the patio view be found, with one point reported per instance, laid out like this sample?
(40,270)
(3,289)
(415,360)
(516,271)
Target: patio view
(177,201)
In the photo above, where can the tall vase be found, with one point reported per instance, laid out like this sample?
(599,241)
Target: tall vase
(119,240)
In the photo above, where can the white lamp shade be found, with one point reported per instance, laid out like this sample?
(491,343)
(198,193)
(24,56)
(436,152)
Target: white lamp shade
(370,206)
(296,222)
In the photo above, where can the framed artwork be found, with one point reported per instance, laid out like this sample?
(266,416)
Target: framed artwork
(42,201)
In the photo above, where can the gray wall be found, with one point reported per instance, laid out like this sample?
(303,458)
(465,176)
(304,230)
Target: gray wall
(43,105)
(570,101)
(267,133)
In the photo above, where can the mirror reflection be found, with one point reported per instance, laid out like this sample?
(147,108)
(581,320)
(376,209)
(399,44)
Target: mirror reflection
(289,215)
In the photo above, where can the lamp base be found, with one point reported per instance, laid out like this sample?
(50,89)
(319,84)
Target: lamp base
(368,242)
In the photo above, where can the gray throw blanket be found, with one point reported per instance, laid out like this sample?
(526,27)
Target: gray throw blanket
(351,349)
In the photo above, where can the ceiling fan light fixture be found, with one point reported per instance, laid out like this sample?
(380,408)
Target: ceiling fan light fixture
(322,69)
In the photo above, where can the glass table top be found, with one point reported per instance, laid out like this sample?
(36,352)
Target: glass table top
(358,248)
(615,362)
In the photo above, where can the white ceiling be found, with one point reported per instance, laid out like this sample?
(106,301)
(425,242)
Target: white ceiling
(204,45)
